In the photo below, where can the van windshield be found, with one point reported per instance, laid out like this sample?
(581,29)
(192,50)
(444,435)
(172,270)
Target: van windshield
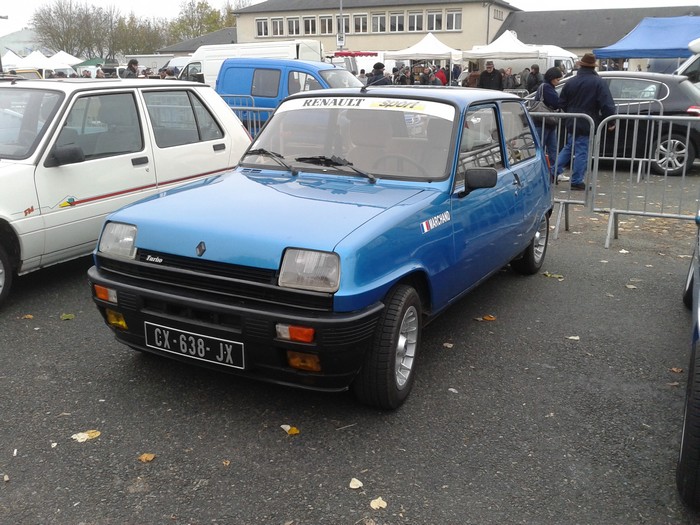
(25,115)
(340,78)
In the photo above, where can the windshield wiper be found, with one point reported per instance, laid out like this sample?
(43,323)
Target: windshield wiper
(274,156)
(335,162)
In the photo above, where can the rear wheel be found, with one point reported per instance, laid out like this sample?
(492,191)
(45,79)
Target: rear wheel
(533,256)
(6,274)
(672,154)
(388,372)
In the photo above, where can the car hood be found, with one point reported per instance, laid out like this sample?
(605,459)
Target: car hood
(250,219)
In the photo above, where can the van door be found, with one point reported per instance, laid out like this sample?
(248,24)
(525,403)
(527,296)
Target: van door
(117,168)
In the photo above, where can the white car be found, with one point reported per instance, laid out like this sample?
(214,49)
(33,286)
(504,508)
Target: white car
(74,150)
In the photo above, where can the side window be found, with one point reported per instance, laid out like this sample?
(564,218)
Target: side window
(520,143)
(630,88)
(480,146)
(103,126)
(300,81)
(178,117)
(193,72)
(294,82)
(266,83)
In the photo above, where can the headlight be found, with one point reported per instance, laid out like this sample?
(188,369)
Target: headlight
(309,270)
(118,240)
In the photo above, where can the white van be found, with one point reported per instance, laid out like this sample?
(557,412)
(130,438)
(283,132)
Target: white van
(204,64)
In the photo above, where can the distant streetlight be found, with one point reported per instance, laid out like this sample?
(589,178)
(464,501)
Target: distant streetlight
(2,17)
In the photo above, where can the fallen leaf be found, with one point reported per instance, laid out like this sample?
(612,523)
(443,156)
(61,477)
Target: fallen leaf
(623,251)
(356,483)
(677,370)
(27,316)
(6,478)
(675,383)
(54,445)
(81,437)
(226,462)
(453,390)
(553,275)
(487,317)
(147,457)
(447,345)
(631,286)
(67,317)
(292,431)
(574,338)
(378,503)
(604,261)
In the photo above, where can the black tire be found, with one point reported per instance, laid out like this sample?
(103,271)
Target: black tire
(6,275)
(672,153)
(388,372)
(688,468)
(688,290)
(533,257)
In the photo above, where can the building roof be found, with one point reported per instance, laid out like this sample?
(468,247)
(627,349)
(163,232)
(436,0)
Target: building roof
(578,29)
(222,36)
(333,5)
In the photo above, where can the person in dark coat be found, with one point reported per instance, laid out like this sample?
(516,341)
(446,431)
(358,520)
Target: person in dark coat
(589,94)
(376,77)
(534,79)
(548,94)
(490,78)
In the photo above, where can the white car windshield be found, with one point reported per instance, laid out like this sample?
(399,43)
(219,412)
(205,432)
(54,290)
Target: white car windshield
(379,137)
(25,115)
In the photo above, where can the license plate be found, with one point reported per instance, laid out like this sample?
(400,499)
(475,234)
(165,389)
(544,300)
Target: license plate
(196,346)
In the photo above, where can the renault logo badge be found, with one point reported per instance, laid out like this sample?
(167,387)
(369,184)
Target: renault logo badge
(201,248)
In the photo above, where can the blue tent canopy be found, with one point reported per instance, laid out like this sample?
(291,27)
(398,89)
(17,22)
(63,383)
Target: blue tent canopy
(655,38)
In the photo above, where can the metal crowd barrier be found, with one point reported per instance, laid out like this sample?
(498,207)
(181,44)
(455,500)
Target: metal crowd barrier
(252,117)
(522,93)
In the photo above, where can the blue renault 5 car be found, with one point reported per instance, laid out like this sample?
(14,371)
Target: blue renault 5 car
(355,217)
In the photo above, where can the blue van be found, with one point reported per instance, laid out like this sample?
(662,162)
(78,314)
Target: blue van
(262,83)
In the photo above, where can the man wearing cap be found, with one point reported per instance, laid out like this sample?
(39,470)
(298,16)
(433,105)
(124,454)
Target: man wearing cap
(585,93)
(376,77)
(490,78)
(132,69)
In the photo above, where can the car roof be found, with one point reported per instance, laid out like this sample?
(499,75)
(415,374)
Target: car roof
(70,85)
(647,75)
(458,96)
(283,62)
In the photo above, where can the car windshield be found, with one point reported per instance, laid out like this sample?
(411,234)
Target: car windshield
(367,137)
(25,114)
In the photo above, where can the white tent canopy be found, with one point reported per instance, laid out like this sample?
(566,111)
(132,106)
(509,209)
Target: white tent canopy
(36,60)
(505,46)
(10,59)
(428,48)
(65,58)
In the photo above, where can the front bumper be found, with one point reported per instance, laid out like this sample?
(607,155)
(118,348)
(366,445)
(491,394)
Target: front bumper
(341,339)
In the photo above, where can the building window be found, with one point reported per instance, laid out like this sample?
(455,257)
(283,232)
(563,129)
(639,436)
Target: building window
(415,21)
(293,27)
(434,20)
(379,23)
(277,26)
(360,23)
(262,27)
(454,21)
(326,24)
(498,14)
(346,24)
(396,22)
(309,25)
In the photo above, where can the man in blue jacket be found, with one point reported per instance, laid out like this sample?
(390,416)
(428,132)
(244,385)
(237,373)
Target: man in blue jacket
(589,94)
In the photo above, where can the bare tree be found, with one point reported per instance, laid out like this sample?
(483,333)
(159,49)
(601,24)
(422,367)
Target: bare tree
(57,26)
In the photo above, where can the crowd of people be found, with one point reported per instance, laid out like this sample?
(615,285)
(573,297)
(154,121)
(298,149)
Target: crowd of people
(403,75)
(132,70)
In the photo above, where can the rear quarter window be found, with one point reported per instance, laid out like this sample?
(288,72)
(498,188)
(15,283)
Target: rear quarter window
(266,83)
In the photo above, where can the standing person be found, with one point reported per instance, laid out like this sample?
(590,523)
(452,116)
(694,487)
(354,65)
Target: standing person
(585,93)
(534,79)
(508,78)
(376,77)
(440,74)
(425,76)
(548,94)
(490,78)
(132,69)
(362,77)
(404,77)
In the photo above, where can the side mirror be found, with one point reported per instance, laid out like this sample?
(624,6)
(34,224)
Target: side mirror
(476,178)
(66,154)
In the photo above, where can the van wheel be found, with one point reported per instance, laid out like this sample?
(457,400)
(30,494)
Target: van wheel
(388,372)
(6,275)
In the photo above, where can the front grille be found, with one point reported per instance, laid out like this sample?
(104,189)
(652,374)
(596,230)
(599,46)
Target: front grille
(227,283)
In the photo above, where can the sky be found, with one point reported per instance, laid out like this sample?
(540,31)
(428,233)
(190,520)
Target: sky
(19,12)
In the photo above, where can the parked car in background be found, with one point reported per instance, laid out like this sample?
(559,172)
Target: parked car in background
(355,218)
(688,467)
(671,148)
(74,150)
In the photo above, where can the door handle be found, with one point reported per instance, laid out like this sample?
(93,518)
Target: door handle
(516,180)
(138,161)
(219,147)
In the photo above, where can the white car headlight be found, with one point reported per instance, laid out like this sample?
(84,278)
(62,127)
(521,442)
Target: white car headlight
(118,240)
(310,270)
